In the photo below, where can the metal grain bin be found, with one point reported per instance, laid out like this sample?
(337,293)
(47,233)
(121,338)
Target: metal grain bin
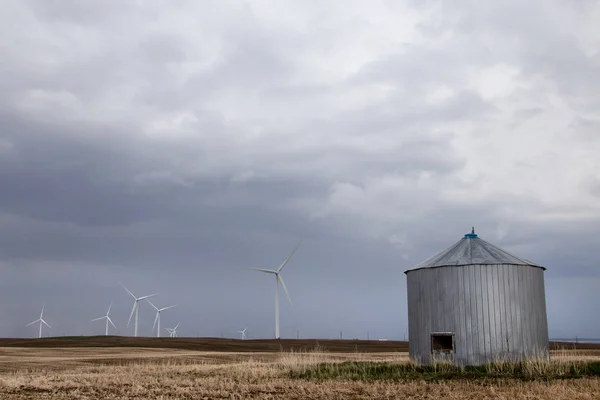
(475,303)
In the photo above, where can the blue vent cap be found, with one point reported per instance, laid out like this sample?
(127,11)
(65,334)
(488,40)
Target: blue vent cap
(471,235)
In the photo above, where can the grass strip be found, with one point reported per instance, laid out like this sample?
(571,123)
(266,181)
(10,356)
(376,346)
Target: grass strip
(374,371)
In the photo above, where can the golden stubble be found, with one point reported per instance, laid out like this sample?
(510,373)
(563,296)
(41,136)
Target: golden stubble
(170,374)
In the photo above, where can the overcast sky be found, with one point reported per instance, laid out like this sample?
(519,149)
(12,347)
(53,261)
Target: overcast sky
(173,146)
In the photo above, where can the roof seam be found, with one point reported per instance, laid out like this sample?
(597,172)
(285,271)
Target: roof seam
(466,265)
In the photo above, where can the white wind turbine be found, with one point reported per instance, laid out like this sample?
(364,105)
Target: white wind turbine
(41,321)
(107,320)
(135,308)
(172,331)
(157,318)
(279,278)
(243,333)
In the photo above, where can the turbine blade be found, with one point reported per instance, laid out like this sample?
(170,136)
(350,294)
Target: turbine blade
(31,323)
(97,319)
(45,323)
(176,326)
(156,308)
(128,291)
(132,310)
(150,295)
(290,256)
(42,313)
(268,271)
(285,289)
(155,319)
(110,320)
(166,308)
(109,307)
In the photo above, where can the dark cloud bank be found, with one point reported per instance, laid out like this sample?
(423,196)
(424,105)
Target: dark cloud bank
(173,147)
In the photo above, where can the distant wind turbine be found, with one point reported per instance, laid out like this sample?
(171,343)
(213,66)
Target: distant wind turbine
(157,318)
(243,333)
(135,308)
(172,331)
(107,320)
(41,321)
(279,278)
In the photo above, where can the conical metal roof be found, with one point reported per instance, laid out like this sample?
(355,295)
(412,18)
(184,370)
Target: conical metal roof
(472,250)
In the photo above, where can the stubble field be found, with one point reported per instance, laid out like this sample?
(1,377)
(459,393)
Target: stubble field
(262,370)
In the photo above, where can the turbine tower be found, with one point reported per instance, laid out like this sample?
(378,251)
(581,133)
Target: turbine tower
(243,333)
(135,308)
(157,318)
(279,278)
(107,320)
(41,321)
(172,331)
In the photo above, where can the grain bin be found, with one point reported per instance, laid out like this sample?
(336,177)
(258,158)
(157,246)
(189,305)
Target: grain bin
(474,303)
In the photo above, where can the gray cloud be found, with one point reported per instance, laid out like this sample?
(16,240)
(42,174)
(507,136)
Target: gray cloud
(175,147)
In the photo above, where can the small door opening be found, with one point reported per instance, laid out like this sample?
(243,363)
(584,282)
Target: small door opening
(442,342)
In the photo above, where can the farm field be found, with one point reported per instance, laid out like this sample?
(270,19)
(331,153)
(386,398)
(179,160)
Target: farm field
(211,344)
(182,368)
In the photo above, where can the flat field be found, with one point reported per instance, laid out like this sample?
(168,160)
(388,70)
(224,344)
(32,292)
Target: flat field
(179,370)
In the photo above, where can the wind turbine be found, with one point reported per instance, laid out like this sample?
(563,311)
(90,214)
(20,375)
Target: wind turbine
(157,318)
(41,321)
(135,308)
(172,331)
(107,320)
(279,278)
(243,332)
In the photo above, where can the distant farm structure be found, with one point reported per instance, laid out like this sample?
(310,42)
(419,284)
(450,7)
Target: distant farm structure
(474,303)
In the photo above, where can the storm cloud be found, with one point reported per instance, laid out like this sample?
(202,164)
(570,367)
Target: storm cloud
(173,146)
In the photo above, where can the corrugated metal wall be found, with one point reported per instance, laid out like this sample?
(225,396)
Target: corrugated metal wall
(497,312)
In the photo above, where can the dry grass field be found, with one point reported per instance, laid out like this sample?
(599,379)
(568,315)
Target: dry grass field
(116,372)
